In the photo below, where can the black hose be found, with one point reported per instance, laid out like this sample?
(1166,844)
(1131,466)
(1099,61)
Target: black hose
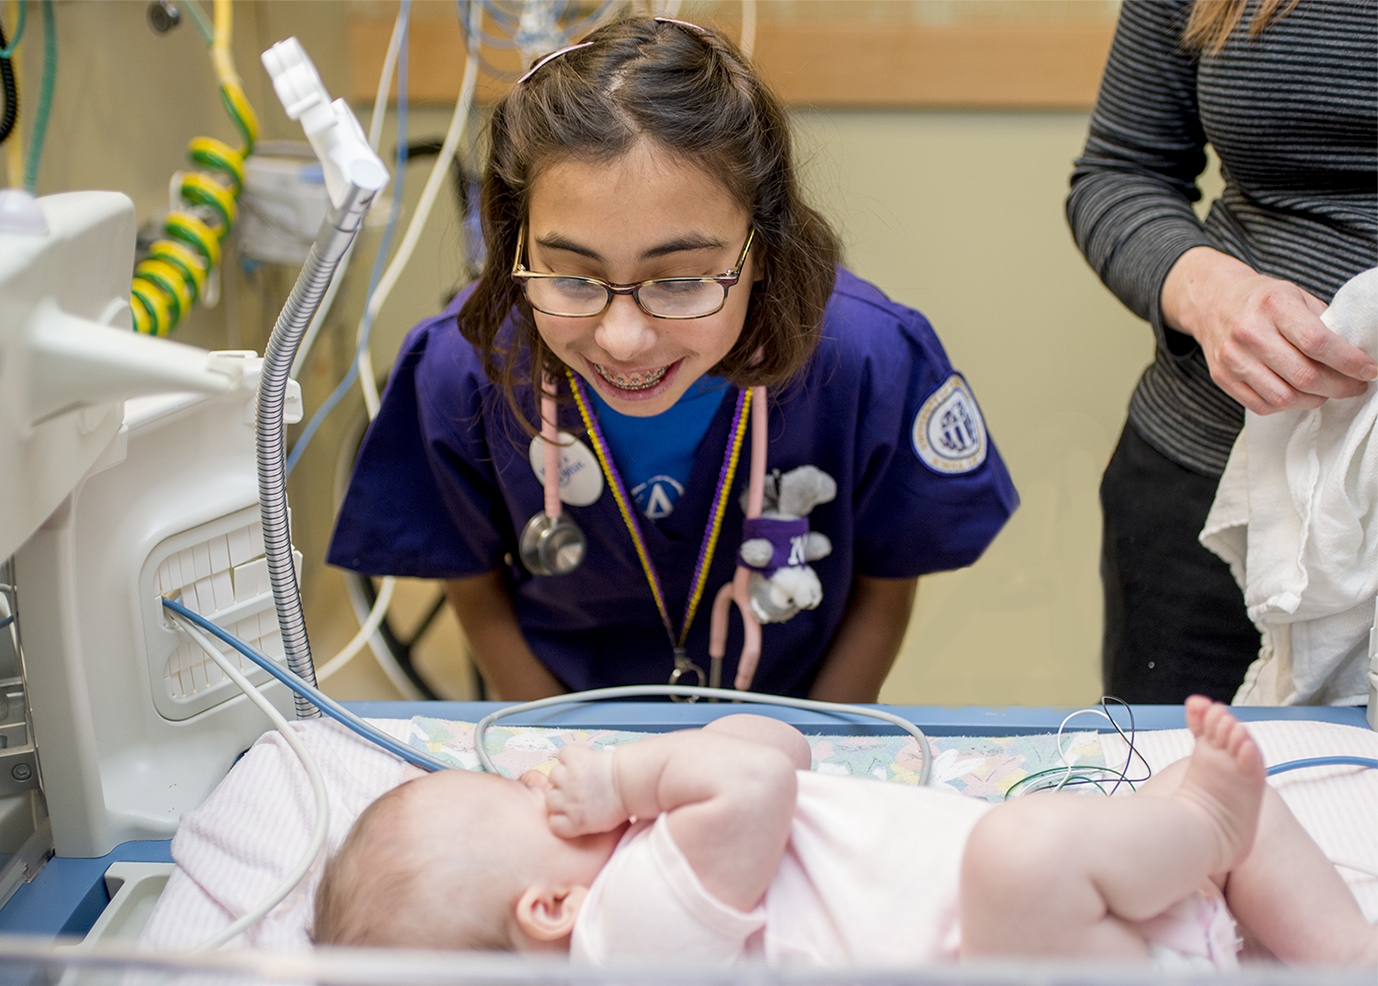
(11,93)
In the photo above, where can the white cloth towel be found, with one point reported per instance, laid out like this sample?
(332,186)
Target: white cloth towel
(1296,517)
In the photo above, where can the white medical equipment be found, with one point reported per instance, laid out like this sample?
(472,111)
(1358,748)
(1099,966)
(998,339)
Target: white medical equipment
(128,474)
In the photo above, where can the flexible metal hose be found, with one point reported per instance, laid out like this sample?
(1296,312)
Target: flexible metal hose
(332,242)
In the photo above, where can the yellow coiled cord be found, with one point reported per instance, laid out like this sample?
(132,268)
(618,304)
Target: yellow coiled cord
(171,278)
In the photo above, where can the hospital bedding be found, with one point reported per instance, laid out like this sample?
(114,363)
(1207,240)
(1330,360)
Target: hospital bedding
(251,831)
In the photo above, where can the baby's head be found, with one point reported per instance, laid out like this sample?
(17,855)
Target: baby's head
(456,860)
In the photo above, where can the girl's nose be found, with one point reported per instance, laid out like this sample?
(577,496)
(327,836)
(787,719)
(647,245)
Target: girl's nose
(625,332)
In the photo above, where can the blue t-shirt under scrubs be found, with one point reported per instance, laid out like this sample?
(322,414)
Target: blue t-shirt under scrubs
(444,485)
(656,454)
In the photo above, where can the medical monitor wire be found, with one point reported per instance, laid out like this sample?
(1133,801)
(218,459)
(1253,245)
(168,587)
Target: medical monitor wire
(686,691)
(182,266)
(20,21)
(375,135)
(313,774)
(1076,775)
(325,703)
(334,710)
(399,177)
(380,287)
(367,629)
(39,130)
(11,90)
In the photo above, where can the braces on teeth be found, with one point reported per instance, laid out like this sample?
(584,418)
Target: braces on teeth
(631,382)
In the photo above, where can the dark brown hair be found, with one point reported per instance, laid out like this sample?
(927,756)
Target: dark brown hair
(693,93)
(1213,21)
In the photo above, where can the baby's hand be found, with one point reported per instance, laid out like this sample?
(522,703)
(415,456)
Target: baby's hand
(583,797)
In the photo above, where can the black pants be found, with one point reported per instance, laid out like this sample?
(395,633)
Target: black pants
(1175,623)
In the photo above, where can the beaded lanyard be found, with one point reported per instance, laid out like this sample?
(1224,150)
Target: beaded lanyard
(710,538)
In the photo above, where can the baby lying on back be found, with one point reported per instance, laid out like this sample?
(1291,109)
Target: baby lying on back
(718,845)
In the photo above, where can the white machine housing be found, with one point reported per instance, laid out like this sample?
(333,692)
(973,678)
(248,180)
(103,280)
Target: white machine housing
(116,504)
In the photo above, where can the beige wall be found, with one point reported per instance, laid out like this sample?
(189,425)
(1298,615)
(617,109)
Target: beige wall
(956,213)
(960,215)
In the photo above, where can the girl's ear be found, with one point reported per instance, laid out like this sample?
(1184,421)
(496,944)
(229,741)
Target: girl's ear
(547,914)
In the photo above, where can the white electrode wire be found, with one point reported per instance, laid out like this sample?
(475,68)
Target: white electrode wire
(688,691)
(1356,867)
(375,134)
(465,102)
(367,384)
(366,631)
(313,773)
(748,27)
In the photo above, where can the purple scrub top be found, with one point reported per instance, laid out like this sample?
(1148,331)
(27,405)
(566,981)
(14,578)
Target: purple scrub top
(443,486)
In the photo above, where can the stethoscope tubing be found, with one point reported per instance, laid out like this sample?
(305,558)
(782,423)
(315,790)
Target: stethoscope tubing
(735,591)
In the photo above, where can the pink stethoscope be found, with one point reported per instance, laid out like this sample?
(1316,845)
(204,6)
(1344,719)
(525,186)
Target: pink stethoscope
(553,544)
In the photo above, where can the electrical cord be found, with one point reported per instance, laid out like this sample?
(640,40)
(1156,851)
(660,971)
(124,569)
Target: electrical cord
(381,286)
(366,630)
(687,691)
(313,774)
(1088,774)
(168,281)
(198,17)
(375,134)
(380,260)
(325,703)
(7,50)
(1282,768)
(1336,761)
(11,90)
(39,131)
(349,720)
(463,104)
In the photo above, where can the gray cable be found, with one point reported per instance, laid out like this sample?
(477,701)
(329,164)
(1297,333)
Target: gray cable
(639,691)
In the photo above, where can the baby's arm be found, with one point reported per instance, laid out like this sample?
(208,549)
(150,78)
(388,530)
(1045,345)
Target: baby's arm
(771,732)
(730,802)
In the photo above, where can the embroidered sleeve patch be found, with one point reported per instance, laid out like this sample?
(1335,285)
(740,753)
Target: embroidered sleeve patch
(949,434)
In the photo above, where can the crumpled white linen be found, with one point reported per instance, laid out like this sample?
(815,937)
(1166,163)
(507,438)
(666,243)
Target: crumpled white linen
(1296,518)
(234,849)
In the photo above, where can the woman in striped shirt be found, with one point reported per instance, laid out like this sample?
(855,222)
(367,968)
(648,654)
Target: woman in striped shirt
(1287,94)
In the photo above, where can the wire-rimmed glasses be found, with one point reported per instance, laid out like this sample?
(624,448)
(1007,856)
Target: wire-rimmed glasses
(571,296)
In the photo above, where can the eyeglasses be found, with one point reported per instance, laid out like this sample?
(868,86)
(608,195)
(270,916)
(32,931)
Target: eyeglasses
(569,296)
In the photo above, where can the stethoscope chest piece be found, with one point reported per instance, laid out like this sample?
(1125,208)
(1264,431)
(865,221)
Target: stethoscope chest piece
(552,545)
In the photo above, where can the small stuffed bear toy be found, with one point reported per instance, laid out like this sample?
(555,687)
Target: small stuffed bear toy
(778,545)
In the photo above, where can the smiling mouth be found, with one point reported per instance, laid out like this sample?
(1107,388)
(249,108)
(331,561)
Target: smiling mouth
(644,380)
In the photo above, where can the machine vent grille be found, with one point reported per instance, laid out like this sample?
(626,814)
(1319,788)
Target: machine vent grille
(225,579)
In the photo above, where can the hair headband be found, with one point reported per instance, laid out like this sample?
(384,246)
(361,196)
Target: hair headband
(584,44)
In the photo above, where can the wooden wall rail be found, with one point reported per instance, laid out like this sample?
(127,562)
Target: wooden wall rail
(1024,66)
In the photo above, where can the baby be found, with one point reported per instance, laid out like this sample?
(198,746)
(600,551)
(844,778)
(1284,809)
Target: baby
(718,845)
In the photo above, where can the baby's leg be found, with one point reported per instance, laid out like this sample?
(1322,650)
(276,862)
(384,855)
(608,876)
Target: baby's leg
(1063,875)
(1290,897)
(1285,892)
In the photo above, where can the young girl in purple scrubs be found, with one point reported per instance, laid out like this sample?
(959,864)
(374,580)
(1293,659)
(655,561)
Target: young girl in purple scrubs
(650,257)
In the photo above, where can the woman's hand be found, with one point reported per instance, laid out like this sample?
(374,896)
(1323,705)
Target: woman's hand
(583,796)
(1262,337)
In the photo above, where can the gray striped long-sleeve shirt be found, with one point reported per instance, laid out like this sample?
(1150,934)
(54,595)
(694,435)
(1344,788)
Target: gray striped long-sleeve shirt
(1293,116)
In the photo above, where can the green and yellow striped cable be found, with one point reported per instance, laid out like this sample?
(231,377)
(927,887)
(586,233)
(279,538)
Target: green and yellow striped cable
(171,278)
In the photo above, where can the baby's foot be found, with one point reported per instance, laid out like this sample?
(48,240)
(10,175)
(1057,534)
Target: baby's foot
(1225,778)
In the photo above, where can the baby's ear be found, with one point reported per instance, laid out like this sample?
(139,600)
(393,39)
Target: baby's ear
(547,914)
